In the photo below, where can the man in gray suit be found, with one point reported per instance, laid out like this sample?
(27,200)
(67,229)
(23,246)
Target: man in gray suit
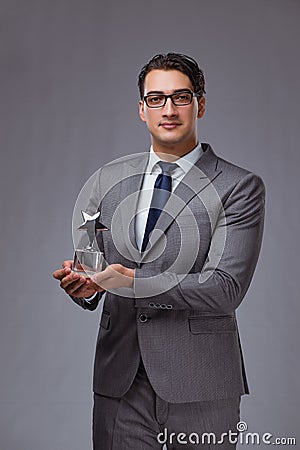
(185,229)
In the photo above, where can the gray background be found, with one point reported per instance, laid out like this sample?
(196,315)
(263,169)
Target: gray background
(68,104)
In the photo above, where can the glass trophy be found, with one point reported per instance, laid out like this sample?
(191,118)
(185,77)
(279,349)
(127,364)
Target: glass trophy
(89,259)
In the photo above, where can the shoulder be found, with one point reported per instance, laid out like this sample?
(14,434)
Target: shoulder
(133,160)
(233,174)
(112,177)
(232,177)
(123,165)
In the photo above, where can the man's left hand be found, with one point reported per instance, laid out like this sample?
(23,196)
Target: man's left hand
(113,277)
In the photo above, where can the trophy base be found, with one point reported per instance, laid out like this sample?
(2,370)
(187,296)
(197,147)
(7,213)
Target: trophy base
(88,262)
(84,273)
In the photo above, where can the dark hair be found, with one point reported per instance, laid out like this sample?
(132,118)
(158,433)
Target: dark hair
(174,61)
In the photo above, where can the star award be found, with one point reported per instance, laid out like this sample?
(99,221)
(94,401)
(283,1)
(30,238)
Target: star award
(88,259)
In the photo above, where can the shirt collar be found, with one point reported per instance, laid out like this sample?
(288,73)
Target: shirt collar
(185,162)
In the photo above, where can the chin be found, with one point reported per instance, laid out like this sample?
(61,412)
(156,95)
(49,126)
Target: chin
(170,140)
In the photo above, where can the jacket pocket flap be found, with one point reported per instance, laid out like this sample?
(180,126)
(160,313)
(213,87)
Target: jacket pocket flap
(105,320)
(209,324)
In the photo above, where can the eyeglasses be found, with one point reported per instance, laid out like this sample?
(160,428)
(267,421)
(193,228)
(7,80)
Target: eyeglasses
(181,98)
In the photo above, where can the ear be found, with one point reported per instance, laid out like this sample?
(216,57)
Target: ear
(142,111)
(201,107)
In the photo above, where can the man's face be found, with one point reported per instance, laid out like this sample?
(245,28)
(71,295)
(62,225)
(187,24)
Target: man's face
(173,128)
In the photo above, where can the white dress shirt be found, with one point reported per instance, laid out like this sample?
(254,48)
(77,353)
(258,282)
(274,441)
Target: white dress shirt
(152,170)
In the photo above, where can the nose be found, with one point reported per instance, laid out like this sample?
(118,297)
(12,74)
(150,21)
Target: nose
(169,108)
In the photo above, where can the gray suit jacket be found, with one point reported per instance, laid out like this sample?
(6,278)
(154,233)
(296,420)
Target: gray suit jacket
(180,316)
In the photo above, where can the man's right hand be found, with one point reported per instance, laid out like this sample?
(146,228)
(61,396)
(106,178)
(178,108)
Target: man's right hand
(73,283)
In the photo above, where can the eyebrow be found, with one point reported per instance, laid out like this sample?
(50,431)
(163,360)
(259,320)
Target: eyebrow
(176,91)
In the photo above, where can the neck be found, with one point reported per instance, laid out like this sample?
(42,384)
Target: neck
(174,150)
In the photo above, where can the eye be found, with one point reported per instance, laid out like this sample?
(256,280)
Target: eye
(182,97)
(155,99)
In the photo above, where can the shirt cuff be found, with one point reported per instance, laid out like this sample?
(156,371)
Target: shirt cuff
(89,299)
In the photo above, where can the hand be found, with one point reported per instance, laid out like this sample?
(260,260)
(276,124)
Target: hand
(73,283)
(113,277)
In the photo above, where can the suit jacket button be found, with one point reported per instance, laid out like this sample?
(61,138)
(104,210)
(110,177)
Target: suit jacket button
(143,318)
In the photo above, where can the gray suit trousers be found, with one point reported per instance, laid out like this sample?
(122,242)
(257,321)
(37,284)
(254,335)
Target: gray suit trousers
(140,420)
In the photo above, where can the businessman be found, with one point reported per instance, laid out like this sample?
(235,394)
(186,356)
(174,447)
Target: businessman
(184,234)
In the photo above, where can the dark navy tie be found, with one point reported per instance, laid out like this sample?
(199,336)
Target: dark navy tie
(161,193)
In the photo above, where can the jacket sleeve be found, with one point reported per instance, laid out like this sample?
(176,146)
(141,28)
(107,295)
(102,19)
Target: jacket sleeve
(86,304)
(217,288)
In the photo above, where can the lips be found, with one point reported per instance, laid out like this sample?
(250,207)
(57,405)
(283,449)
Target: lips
(169,125)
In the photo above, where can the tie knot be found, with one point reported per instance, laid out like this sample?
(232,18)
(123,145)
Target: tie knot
(167,167)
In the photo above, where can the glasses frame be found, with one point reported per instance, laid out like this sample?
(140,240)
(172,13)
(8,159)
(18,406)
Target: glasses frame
(171,97)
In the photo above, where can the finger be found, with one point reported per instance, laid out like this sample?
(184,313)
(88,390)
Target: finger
(84,291)
(95,286)
(75,286)
(70,279)
(68,263)
(59,274)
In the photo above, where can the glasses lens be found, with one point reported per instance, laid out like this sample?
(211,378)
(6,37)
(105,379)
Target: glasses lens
(155,101)
(182,98)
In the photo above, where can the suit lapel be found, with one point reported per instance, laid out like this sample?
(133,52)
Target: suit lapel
(198,178)
(132,179)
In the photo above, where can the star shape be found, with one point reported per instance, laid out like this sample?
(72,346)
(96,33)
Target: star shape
(90,221)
